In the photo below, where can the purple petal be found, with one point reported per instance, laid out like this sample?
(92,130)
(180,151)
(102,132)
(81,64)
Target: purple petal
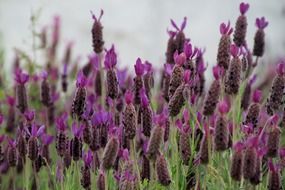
(21,77)
(10,100)
(179,124)
(226,29)
(40,131)
(88,158)
(223,107)
(34,130)
(186,77)
(187,49)
(148,67)
(44,75)
(234,50)
(81,80)
(144,98)
(217,72)
(139,67)
(110,58)
(179,59)
(261,23)
(122,76)
(129,97)
(168,68)
(47,139)
(243,8)
(257,94)
(183,25)
(238,146)
(29,115)
(281,69)
(174,24)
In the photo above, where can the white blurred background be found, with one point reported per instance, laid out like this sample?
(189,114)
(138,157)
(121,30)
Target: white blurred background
(138,28)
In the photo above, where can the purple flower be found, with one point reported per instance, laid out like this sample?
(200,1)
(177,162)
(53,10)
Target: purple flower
(139,67)
(168,68)
(36,132)
(183,24)
(281,68)
(144,98)
(20,77)
(179,59)
(88,158)
(10,100)
(186,77)
(61,122)
(122,76)
(110,58)
(47,139)
(261,23)
(94,60)
(44,75)
(29,115)
(101,117)
(77,131)
(11,142)
(223,107)
(243,8)
(217,72)
(148,67)
(257,94)
(99,18)
(189,52)
(238,146)
(81,80)
(235,51)
(226,29)
(129,97)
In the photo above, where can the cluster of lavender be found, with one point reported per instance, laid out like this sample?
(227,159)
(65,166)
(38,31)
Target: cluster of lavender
(121,124)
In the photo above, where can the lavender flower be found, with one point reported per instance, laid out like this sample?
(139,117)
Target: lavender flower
(273,141)
(146,114)
(46,141)
(256,179)
(237,161)
(129,117)
(33,144)
(22,100)
(85,170)
(204,148)
(171,47)
(184,141)
(258,48)
(11,152)
(76,142)
(223,56)
(97,33)
(148,79)
(180,36)
(162,171)
(138,80)
(101,181)
(45,90)
(79,103)
(250,157)
(274,177)
(112,81)
(253,110)
(61,138)
(241,25)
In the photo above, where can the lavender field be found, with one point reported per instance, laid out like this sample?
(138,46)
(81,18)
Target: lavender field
(201,117)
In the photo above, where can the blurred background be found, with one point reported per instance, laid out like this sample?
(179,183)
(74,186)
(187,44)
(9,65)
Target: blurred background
(137,28)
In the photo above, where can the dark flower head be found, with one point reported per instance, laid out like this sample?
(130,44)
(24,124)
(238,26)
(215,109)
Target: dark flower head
(88,158)
(179,59)
(36,132)
(20,77)
(243,8)
(183,24)
(47,139)
(235,50)
(226,29)
(29,115)
(139,67)
(77,131)
(144,98)
(61,122)
(110,58)
(99,18)
(81,80)
(129,97)
(257,95)
(189,52)
(223,107)
(261,23)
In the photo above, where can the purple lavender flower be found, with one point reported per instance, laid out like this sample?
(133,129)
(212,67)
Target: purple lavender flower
(46,141)
(85,170)
(76,142)
(237,161)
(258,48)
(241,26)
(61,138)
(33,144)
(11,118)
(21,94)
(180,36)
(79,104)
(97,33)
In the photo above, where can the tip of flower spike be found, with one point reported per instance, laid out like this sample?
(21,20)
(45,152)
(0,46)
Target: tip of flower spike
(223,107)
(81,80)
(217,72)
(94,16)
(148,67)
(44,75)
(261,23)
(243,8)
(226,29)
(21,77)
(139,67)
(234,50)
(183,24)
(77,131)
(168,68)
(272,166)
(280,68)
(47,139)
(238,146)
(144,98)
(179,59)
(129,97)
(88,158)
(29,115)
(171,33)
(110,58)
(37,132)
(257,95)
